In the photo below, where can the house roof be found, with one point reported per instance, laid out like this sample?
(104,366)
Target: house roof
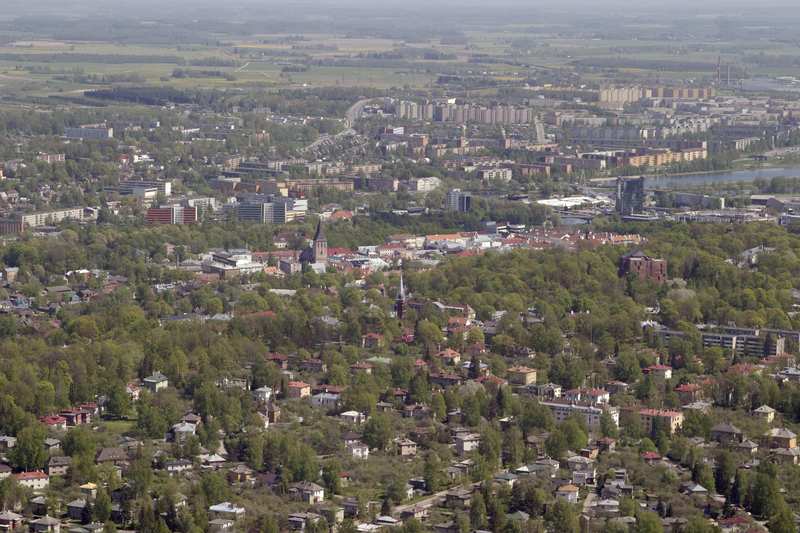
(112,454)
(32,475)
(726,428)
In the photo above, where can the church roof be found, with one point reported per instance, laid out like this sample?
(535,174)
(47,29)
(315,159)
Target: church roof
(319,235)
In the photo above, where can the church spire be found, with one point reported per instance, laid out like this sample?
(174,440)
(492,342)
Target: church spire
(400,303)
(320,246)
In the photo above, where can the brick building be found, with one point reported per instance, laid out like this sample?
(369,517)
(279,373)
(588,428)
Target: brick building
(644,267)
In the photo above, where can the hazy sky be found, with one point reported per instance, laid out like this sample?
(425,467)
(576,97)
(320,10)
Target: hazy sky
(152,7)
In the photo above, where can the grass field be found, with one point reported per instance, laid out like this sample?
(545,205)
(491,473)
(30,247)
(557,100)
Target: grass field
(42,68)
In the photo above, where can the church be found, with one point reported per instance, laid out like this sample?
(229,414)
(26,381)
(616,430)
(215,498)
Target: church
(316,255)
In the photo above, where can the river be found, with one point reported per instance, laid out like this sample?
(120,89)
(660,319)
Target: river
(693,180)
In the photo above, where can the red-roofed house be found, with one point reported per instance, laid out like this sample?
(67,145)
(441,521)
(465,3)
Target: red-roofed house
(56,422)
(281,360)
(651,457)
(449,356)
(298,389)
(361,368)
(662,372)
(689,392)
(34,480)
(372,340)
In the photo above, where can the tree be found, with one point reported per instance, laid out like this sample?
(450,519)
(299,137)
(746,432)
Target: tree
(574,434)
(79,441)
(608,428)
(30,453)
(433,474)
(556,444)
(563,517)
(725,472)
(119,402)
(698,524)
(430,335)
(477,512)
(102,505)
(330,477)
(647,522)
(378,432)
(782,520)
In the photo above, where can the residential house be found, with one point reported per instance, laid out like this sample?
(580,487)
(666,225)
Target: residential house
(790,456)
(358,451)
(262,394)
(406,447)
(449,356)
(178,466)
(780,438)
(219,525)
(351,437)
(46,524)
(458,499)
(521,375)
(689,392)
(299,521)
(156,382)
(7,442)
(659,372)
(353,417)
(10,521)
(279,359)
(666,420)
(362,367)
(241,474)
(467,443)
(54,422)
(308,492)
(726,434)
(765,413)
(115,456)
(76,509)
(314,366)
(568,492)
(298,389)
(76,416)
(326,400)
(226,510)
(35,480)
(583,470)
(182,431)
(58,465)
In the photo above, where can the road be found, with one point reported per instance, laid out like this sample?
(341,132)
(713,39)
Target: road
(354,112)
(432,500)
(587,503)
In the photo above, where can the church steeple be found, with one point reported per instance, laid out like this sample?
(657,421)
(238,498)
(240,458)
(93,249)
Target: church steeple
(400,303)
(320,245)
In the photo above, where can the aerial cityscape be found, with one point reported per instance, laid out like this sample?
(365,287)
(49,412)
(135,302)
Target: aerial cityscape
(338,266)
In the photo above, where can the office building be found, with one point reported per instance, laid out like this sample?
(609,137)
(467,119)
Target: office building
(253,211)
(90,132)
(139,188)
(171,214)
(20,222)
(424,184)
(630,195)
(592,414)
(495,174)
(272,209)
(458,201)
